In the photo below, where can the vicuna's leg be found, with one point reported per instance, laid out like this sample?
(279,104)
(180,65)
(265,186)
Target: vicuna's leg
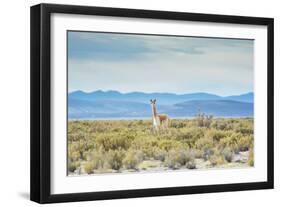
(166,123)
(155,129)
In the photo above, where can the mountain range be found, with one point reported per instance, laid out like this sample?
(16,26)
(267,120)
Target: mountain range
(113,104)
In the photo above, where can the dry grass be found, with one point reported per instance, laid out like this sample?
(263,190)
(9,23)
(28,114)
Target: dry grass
(114,146)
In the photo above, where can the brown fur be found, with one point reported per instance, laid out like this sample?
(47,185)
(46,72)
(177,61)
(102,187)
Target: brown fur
(162,117)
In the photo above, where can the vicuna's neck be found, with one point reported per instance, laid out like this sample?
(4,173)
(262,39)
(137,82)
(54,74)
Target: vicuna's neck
(154,112)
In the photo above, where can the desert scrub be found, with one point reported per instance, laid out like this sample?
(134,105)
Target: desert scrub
(132,159)
(169,144)
(74,155)
(190,135)
(245,142)
(113,141)
(191,164)
(109,146)
(89,167)
(159,154)
(227,154)
(251,157)
(146,144)
(96,158)
(216,135)
(204,143)
(217,158)
(72,166)
(177,158)
(231,142)
(114,159)
(177,125)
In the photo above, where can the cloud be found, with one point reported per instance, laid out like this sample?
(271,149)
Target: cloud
(89,45)
(159,63)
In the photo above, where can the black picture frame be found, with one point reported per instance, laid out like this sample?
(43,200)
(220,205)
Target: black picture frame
(41,102)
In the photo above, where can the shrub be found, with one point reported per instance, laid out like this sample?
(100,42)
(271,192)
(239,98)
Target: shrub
(231,142)
(72,166)
(177,125)
(204,120)
(132,159)
(114,159)
(74,155)
(198,153)
(217,158)
(108,146)
(169,144)
(220,125)
(216,135)
(245,142)
(245,130)
(204,143)
(89,167)
(207,153)
(251,161)
(159,154)
(96,158)
(176,159)
(190,135)
(227,154)
(146,144)
(113,141)
(185,156)
(191,165)
(171,162)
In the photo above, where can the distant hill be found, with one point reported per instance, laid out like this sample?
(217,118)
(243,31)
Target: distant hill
(113,104)
(163,98)
(248,97)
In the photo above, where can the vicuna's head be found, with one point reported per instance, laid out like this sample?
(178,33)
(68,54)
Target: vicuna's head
(153,106)
(152,102)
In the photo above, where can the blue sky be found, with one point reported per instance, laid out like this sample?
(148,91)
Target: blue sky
(150,63)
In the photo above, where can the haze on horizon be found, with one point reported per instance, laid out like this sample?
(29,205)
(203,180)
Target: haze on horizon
(165,64)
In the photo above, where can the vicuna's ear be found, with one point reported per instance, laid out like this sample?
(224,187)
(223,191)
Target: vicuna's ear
(154,100)
(150,100)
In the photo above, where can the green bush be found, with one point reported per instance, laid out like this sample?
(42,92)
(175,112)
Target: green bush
(74,155)
(72,166)
(111,146)
(113,141)
(251,161)
(227,154)
(169,144)
(245,142)
(177,125)
(204,143)
(159,154)
(217,158)
(96,158)
(132,159)
(216,135)
(89,167)
(177,158)
(114,159)
(171,160)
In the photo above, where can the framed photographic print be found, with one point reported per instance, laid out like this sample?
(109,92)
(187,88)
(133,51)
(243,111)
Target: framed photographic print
(133,103)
